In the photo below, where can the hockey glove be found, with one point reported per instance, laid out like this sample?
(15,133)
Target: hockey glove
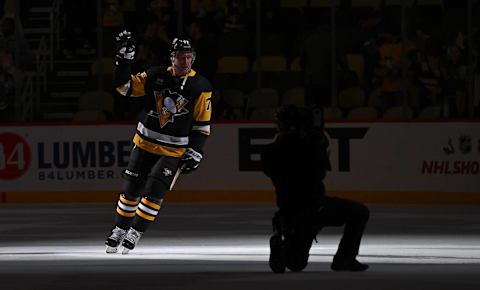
(125,47)
(191,159)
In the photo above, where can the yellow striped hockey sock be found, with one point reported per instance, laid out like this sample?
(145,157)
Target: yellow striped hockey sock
(146,213)
(126,208)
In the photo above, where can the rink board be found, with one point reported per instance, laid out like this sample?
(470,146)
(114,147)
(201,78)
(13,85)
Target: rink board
(421,161)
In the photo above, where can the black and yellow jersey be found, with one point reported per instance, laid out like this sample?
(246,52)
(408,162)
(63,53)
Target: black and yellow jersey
(178,110)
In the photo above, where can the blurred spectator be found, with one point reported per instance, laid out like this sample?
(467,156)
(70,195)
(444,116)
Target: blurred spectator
(315,59)
(129,8)
(366,37)
(235,15)
(9,39)
(210,13)
(10,80)
(113,22)
(429,67)
(206,46)
(441,74)
(7,7)
(153,46)
(163,11)
(456,70)
(272,21)
(113,15)
(476,72)
(392,56)
(80,28)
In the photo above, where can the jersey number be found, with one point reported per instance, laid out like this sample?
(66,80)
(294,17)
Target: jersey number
(209,101)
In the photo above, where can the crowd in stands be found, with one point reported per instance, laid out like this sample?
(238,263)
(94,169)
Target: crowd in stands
(381,70)
(16,57)
(379,67)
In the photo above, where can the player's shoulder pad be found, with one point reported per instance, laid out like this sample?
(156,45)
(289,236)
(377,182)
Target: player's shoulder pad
(202,83)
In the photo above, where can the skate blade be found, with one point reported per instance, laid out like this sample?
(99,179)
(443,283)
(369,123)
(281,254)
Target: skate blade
(125,251)
(111,250)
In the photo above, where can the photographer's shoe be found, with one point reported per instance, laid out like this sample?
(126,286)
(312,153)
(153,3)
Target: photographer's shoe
(348,265)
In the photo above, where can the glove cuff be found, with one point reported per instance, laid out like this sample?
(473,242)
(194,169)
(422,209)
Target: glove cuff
(191,153)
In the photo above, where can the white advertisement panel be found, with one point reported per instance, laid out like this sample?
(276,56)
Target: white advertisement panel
(429,157)
(59,158)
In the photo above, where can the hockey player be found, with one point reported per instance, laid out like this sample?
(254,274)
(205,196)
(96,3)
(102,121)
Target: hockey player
(169,139)
(297,162)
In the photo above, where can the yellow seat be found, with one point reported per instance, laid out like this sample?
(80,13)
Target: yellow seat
(397,112)
(367,3)
(263,114)
(399,2)
(430,112)
(365,113)
(89,115)
(233,64)
(356,63)
(233,43)
(263,98)
(293,3)
(295,65)
(438,3)
(271,63)
(234,98)
(351,97)
(294,96)
(94,100)
(332,113)
(320,3)
(236,114)
(108,64)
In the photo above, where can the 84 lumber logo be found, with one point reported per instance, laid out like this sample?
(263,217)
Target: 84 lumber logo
(14,156)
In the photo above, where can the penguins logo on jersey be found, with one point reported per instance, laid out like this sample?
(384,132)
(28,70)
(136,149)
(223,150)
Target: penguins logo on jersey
(169,105)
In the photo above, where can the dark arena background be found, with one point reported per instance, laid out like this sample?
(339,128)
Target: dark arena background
(399,84)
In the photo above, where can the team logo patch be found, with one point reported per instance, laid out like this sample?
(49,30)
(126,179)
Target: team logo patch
(167,172)
(465,144)
(169,105)
(160,82)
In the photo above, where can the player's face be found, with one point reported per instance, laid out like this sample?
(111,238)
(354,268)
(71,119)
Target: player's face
(182,62)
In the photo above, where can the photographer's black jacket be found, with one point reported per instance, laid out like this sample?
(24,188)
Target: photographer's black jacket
(297,166)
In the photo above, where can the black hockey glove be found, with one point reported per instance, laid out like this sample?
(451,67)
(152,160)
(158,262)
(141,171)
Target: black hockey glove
(125,47)
(191,159)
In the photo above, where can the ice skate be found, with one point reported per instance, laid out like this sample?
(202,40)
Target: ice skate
(130,240)
(114,240)
(277,254)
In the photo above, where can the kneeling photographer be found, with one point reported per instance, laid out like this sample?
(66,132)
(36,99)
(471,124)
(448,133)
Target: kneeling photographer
(297,162)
